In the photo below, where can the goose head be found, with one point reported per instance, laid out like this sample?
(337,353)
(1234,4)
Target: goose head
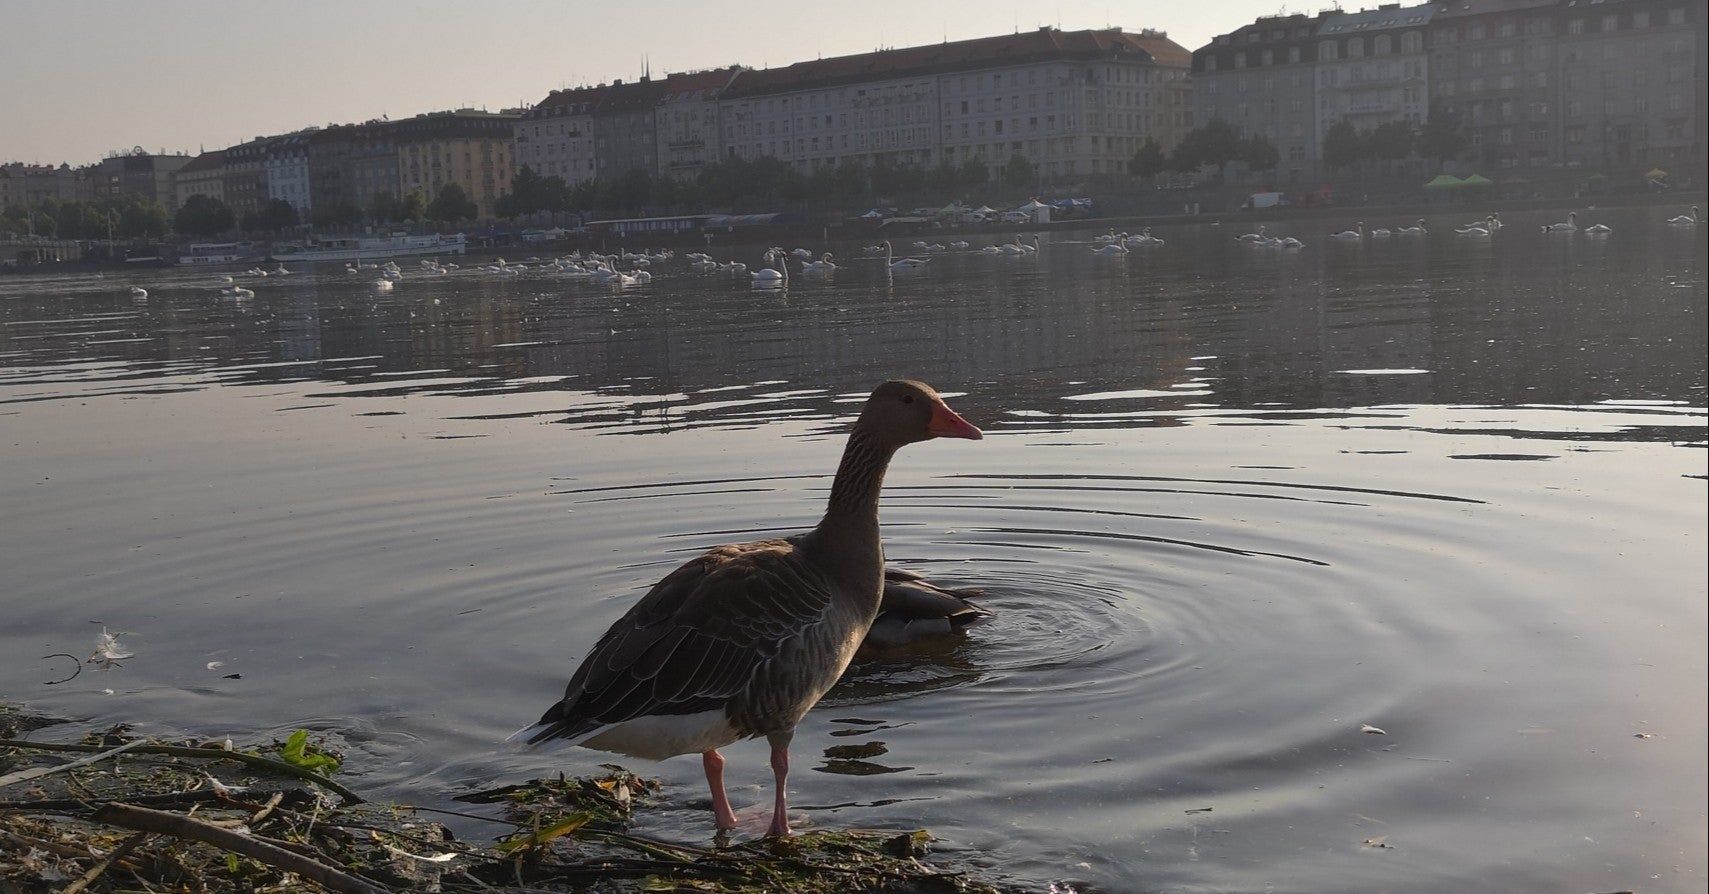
(902,412)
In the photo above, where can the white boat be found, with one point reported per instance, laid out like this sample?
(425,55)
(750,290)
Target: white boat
(205,253)
(363,248)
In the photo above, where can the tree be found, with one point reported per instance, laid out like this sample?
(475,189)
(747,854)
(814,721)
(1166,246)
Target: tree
(413,207)
(385,207)
(140,218)
(1216,143)
(203,216)
(1018,172)
(973,173)
(335,214)
(1444,134)
(451,204)
(276,215)
(1390,141)
(1259,153)
(1148,161)
(1342,146)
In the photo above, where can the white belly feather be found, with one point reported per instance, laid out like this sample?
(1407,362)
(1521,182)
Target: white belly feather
(659,736)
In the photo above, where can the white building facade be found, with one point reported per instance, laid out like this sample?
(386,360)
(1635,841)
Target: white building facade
(555,137)
(287,165)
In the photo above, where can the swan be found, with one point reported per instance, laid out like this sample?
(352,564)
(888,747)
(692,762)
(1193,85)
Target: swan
(139,292)
(1568,226)
(801,253)
(226,280)
(383,284)
(1413,231)
(1108,238)
(993,250)
(1598,230)
(823,265)
(1381,233)
(1357,233)
(1290,243)
(1685,220)
(1478,230)
(894,263)
(1114,249)
(958,244)
(1255,237)
(1033,248)
(1144,238)
(281,271)
(771,278)
(873,249)
(735,267)
(935,247)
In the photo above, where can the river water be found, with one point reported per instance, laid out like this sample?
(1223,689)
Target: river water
(1233,505)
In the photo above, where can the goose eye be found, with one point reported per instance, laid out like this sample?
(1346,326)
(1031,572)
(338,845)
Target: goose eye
(907,398)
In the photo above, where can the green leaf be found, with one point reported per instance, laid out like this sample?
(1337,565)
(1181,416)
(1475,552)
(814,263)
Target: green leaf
(538,837)
(298,752)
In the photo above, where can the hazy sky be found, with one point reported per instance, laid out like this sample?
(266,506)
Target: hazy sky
(79,78)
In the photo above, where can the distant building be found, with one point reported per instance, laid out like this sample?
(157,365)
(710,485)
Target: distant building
(624,135)
(1496,63)
(686,121)
(203,176)
(1632,76)
(243,175)
(349,165)
(555,137)
(1072,102)
(27,185)
(287,165)
(1373,67)
(138,173)
(1262,79)
(472,149)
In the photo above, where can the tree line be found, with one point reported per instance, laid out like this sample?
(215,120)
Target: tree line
(1216,143)
(125,216)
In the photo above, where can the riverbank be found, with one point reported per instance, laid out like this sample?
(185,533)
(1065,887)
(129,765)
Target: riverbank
(103,811)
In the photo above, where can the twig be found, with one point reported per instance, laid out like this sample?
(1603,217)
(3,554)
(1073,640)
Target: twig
(38,772)
(76,668)
(125,847)
(253,760)
(253,846)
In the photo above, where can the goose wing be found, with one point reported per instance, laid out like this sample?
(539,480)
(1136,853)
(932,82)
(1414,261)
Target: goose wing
(695,640)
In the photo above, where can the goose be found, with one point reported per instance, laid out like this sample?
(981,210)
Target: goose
(1357,233)
(1568,226)
(1685,220)
(743,640)
(139,292)
(823,265)
(1254,237)
(915,610)
(1113,250)
(896,264)
(1598,230)
(1413,231)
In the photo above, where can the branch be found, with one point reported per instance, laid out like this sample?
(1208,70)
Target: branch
(255,847)
(253,760)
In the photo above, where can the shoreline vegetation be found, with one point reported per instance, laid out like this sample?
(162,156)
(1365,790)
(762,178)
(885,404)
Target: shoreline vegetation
(112,813)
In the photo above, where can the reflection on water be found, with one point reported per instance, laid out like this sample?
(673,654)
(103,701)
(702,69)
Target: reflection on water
(1234,505)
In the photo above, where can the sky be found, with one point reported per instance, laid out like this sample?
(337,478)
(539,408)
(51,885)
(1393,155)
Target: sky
(80,79)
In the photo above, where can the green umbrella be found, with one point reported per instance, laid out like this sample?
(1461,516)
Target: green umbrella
(1445,181)
(1478,180)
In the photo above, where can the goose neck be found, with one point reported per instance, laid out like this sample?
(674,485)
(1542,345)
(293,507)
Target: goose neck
(853,507)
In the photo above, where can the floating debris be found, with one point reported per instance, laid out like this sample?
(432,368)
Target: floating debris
(1381,841)
(1372,730)
(108,651)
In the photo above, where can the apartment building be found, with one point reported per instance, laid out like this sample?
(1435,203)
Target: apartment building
(1631,76)
(1496,63)
(286,163)
(466,147)
(28,185)
(624,134)
(1262,79)
(686,121)
(1373,67)
(351,164)
(203,176)
(137,172)
(1074,103)
(555,137)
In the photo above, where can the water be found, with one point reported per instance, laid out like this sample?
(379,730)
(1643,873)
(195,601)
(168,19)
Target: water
(1233,504)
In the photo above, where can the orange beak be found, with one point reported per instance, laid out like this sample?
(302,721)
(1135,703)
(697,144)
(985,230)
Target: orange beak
(946,424)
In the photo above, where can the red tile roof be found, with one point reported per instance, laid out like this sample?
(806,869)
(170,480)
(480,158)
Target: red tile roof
(1042,45)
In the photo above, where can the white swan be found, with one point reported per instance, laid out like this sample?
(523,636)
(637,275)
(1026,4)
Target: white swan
(823,265)
(1478,230)
(1114,249)
(894,263)
(1598,230)
(139,292)
(1568,226)
(1355,234)
(1413,231)
(1381,233)
(994,250)
(281,271)
(1685,220)
(771,278)
(958,244)
(1255,237)
(801,253)
(1289,242)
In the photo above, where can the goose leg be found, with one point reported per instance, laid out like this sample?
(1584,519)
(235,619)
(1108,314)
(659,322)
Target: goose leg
(721,812)
(780,772)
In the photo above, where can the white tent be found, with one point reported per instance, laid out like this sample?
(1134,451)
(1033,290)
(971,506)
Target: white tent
(1032,206)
